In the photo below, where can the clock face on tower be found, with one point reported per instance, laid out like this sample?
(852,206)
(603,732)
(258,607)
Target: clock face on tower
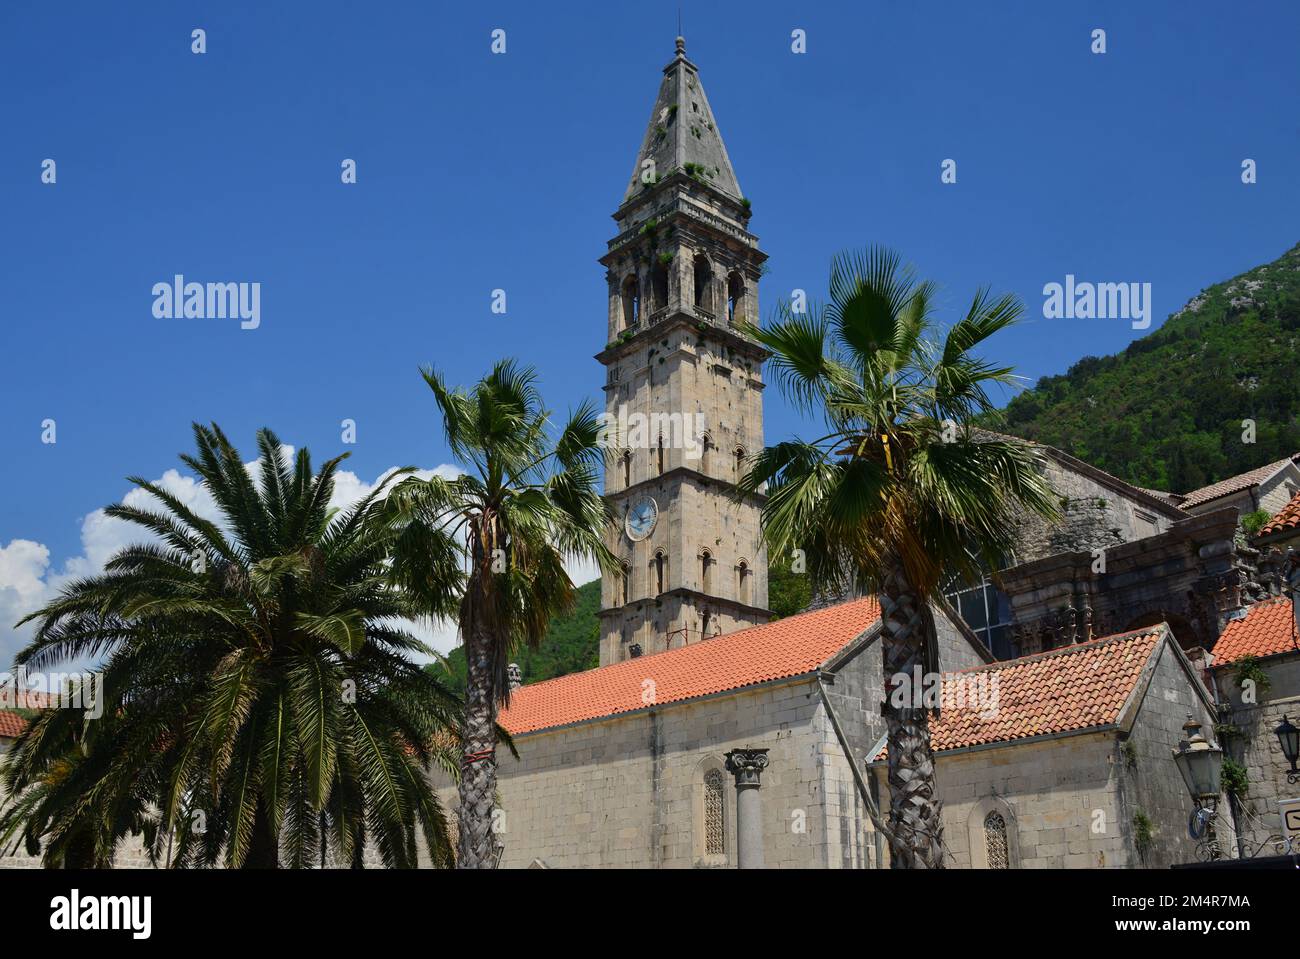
(641,518)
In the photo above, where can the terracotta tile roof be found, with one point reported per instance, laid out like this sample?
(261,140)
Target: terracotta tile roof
(1079,687)
(789,647)
(11,724)
(1234,484)
(1286,520)
(1173,499)
(1267,629)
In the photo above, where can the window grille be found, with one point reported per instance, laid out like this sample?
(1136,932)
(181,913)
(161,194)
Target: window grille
(714,805)
(995,841)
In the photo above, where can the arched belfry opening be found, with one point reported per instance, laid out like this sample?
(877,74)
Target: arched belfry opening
(703,273)
(735,297)
(631,297)
(659,286)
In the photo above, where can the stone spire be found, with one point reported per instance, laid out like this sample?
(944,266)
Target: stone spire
(682,131)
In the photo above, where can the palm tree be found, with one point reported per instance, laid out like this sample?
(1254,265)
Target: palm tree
(526,505)
(257,692)
(899,491)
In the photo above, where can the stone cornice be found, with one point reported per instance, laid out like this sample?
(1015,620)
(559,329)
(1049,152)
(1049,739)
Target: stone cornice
(679,319)
(720,602)
(687,473)
(1193,532)
(674,194)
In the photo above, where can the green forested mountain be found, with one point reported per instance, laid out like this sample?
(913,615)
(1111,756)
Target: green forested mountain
(1167,412)
(573,642)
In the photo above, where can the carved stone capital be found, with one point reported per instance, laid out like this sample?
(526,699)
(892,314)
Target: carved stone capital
(746,765)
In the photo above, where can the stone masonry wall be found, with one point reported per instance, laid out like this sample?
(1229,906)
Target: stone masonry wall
(1148,779)
(1258,749)
(1049,793)
(1093,517)
(628,792)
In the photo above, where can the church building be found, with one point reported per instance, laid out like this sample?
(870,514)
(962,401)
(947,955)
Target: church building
(1087,654)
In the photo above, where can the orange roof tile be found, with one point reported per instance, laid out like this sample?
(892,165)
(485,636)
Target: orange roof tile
(1079,687)
(11,724)
(1266,629)
(1287,518)
(789,647)
(1233,484)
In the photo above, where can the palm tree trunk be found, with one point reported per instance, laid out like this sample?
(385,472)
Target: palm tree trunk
(80,852)
(263,849)
(915,822)
(478,780)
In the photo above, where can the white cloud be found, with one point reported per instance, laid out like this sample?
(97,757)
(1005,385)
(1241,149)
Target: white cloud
(28,581)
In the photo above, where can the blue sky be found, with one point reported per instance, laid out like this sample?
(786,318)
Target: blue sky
(479,171)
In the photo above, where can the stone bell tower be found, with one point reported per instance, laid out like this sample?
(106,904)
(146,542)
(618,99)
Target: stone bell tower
(683,388)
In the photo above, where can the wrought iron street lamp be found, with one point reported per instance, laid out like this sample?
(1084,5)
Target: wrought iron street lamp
(1289,737)
(1200,763)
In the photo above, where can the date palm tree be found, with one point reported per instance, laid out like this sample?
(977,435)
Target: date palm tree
(899,491)
(528,502)
(258,697)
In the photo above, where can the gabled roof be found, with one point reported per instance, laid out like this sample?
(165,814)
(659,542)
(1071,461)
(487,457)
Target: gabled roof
(1235,484)
(682,130)
(1163,502)
(1267,629)
(1287,520)
(794,646)
(1173,499)
(1077,688)
(11,724)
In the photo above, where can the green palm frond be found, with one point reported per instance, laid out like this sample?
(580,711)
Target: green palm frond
(899,474)
(233,654)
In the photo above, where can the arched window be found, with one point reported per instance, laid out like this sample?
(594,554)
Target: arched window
(631,302)
(715,813)
(735,297)
(740,461)
(703,283)
(742,582)
(661,570)
(659,285)
(706,444)
(624,580)
(706,561)
(661,452)
(626,459)
(995,841)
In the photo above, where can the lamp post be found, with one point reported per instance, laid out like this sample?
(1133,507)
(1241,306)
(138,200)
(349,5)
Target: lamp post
(1200,762)
(1289,737)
